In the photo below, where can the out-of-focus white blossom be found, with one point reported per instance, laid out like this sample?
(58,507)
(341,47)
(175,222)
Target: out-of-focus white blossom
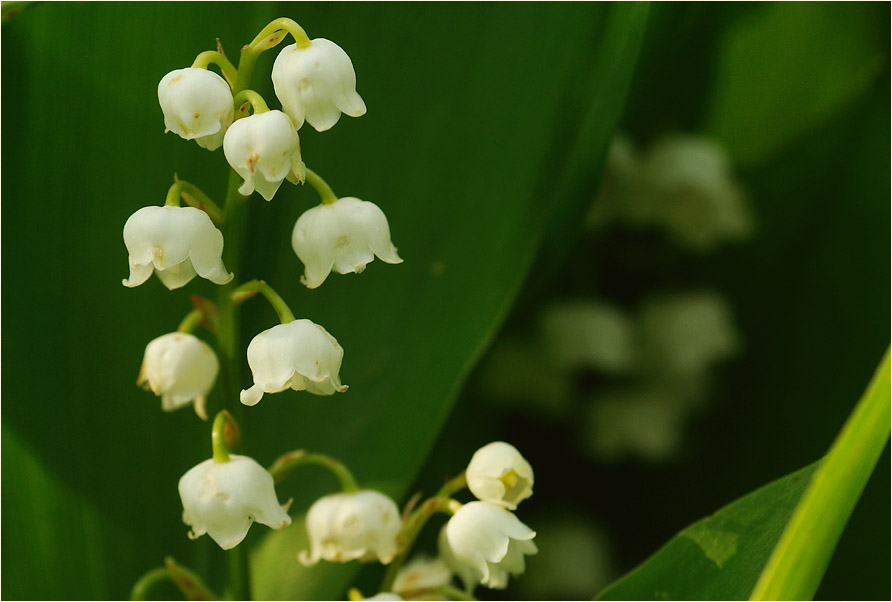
(299,355)
(352,526)
(498,474)
(685,334)
(264,149)
(197,105)
(421,575)
(683,183)
(316,83)
(343,236)
(488,540)
(222,499)
(180,368)
(589,334)
(175,243)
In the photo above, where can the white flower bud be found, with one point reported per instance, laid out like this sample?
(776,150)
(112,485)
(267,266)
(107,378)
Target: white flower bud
(197,105)
(180,368)
(490,540)
(222,499)
(342,236)
(316,83)
(176,243)
(264,149)
(422,574)
(299,355)
(498,473)
(352,526)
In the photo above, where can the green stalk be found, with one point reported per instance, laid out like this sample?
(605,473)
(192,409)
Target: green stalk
(322,188)
(252,287)
(288,462)
(799,560)
(144,584)
(415,523)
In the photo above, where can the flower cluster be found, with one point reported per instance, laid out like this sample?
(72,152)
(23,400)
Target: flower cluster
(483,542)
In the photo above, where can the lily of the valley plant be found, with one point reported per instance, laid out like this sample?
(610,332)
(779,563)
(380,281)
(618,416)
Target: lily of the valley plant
(483,542)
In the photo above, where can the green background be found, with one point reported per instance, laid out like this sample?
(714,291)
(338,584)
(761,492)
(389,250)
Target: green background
(486,132)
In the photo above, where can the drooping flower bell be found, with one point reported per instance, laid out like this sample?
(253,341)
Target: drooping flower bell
(418,579)
(490,540)
(316,83)
(498,474)
(222,499)
(180,368)
(343,236)
(264,149)
(197,105)
(352,526)
(176,243)
(299,355)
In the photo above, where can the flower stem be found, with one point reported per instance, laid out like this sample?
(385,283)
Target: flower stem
(192,319)
(218,439)
(288,462)
(145,583)
(412,528)
(271,35)
(256,100)
(212,56)
(452,486)
(252,287)
(194,197)
(325,192)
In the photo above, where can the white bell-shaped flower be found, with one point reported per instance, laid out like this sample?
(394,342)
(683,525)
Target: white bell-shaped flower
(264,149)
(197,105)
(421,575)
(467,574)
(222,499)
(180,368)
(352,526)
(343,236)
(498,473)
(491,541)
(316,83)
(176,243)
(299,355)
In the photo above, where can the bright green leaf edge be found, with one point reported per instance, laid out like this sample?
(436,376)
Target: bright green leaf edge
(800,558)
(721,556)
(796,520)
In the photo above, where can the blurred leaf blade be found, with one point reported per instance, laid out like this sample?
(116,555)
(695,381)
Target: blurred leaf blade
(51,535)
(769,87)
(800,558)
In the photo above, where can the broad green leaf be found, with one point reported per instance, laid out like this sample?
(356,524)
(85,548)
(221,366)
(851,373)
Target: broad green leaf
(459,137)
(787,67)
(775,543)
(719,557)
(51,535)
(797,564)
(612,37)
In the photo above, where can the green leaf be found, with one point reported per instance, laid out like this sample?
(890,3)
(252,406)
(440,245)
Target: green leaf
(776,542)
(719,557)
(51,535)
(800,559)
(457,147)
(770,86)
